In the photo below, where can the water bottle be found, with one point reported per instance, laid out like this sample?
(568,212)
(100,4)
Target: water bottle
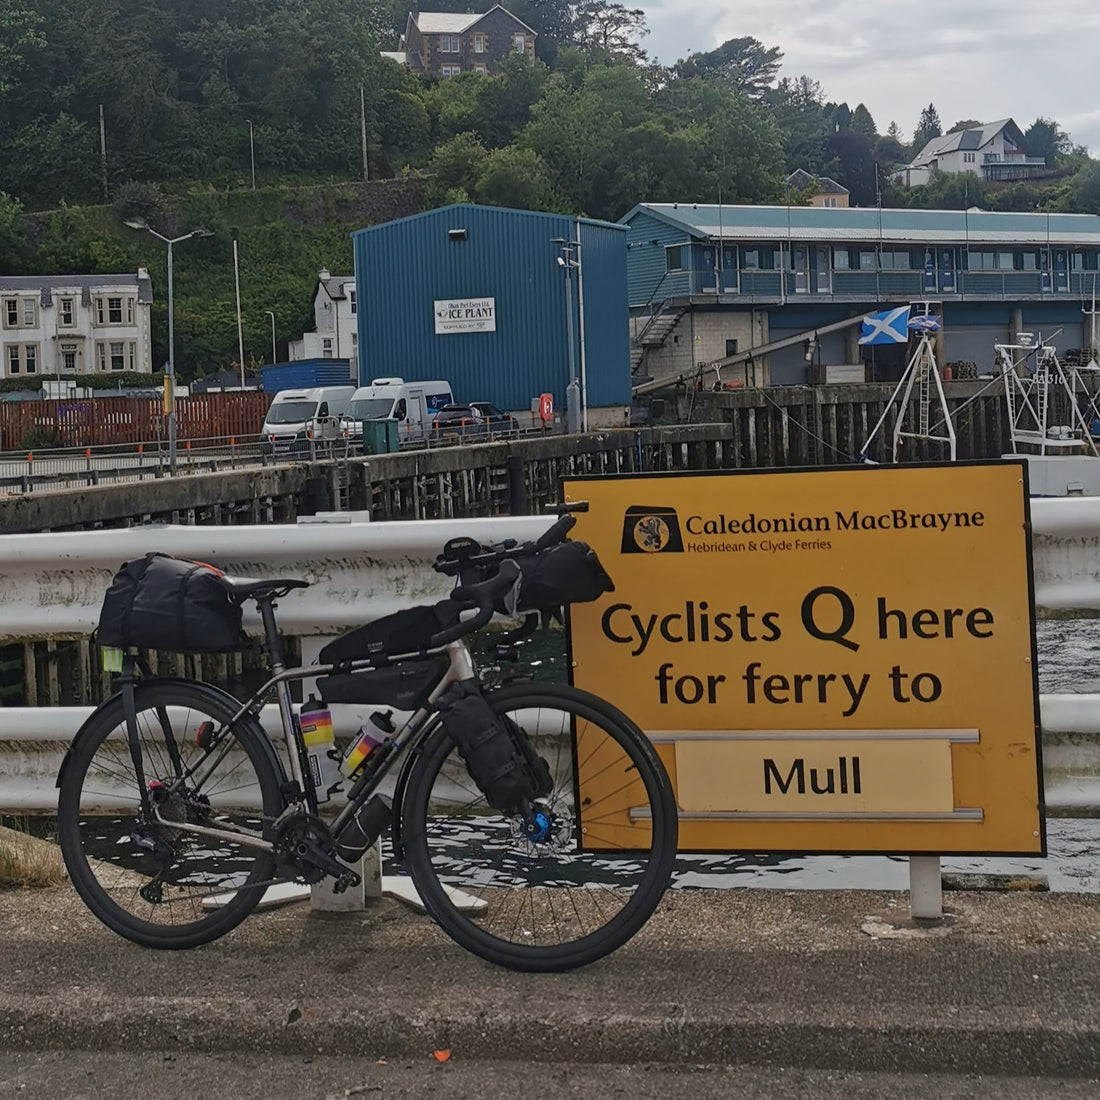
(364,828)
(315,721)
(367,742)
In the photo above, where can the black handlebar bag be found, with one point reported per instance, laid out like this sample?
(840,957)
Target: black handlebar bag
(569,572)
(168,603)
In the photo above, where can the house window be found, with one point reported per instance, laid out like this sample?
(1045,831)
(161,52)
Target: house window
(479,43)
(828,201)
(11,313)
(13,359)
(351,299)
(67,316)
(449,43)
(519,43)
(841,259)
(480,69)
(674,258)
(451,70)
(30,358)
(118,353)
(750,259)
(968,158)
(1029,261)
(1005,261)
(326,348)
(129,311)
(866,261)
(28,313)
(100,313)
(68,357)
(114,311)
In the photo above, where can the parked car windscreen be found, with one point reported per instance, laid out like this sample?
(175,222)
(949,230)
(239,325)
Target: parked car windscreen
(291,412)
(369,408)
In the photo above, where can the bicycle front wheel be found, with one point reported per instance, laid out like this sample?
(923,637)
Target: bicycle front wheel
(603,856)
(159,885)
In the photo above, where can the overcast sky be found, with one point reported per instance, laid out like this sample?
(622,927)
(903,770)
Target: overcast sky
(973,59)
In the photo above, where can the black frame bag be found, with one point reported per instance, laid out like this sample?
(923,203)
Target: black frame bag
(163,602)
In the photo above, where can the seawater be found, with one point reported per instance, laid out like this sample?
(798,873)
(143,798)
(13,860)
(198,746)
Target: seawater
(1069,662)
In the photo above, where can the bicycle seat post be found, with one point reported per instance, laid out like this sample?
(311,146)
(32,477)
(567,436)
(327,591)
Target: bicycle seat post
(273,646)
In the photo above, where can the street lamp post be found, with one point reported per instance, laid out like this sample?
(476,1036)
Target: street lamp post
(141,223)
(569,262)
(274,354)
(251,152)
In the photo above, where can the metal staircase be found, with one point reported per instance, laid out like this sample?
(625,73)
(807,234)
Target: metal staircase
(655,332)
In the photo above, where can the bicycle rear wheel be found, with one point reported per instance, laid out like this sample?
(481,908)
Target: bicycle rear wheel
(158,885)
(594,876)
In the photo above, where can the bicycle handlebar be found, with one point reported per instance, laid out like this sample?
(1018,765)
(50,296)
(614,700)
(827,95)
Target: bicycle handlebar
(462,555)
(482,596)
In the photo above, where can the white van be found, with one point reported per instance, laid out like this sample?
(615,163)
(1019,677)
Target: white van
(294,414)
(412,404)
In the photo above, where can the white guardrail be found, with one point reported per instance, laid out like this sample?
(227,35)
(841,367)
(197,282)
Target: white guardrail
(54,584)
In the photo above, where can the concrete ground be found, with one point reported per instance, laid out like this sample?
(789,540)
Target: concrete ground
(816,983)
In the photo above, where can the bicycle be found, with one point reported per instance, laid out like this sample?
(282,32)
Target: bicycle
(205,816)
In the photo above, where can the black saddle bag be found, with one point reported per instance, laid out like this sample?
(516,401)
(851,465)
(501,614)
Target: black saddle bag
(497,752)
(168,603)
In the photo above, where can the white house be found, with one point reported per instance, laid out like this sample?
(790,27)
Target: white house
(993,151)
(336,335)
(75,324)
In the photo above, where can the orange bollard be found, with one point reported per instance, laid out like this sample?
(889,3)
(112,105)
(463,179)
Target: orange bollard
(30,457)
(141,448)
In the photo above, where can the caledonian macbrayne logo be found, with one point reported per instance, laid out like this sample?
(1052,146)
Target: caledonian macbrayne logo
(650,530)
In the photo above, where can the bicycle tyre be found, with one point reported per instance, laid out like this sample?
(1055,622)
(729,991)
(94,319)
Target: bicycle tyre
(206,890)
(452,838)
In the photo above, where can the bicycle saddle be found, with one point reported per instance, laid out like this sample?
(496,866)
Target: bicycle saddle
(244,588)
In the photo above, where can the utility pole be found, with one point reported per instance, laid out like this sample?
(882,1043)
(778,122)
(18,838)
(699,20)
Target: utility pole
(103,151)
(363,126)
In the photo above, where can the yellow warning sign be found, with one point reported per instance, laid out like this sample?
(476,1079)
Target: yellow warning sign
(828,660)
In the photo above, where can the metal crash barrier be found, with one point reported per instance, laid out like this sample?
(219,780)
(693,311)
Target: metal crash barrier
(54,585)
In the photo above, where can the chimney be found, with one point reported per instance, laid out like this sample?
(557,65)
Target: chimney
(324,274)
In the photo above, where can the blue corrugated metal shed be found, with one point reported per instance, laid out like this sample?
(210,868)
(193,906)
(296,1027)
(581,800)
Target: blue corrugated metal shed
(467,252)
(304,374)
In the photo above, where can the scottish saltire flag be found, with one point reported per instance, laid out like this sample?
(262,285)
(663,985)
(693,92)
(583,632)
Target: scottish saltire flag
(888,327)
(927,323)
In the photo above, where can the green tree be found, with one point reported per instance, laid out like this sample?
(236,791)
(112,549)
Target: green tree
(966,124)
(517,178)
(928,127)
(745,64)
(862,122)
(1044,138)
(1084,189)
(611,29)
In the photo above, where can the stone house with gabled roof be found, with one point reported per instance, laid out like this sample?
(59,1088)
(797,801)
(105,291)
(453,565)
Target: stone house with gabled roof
(822,190)
(449,43)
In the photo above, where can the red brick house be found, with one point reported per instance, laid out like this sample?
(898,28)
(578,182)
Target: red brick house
(449,43)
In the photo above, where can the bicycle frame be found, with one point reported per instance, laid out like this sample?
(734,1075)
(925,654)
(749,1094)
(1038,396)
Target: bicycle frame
(460,667)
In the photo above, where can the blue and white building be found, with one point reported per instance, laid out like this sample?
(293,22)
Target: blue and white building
(706,282)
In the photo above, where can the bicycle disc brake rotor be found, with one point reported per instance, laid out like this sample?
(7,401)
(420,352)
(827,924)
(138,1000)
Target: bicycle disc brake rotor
(543,829)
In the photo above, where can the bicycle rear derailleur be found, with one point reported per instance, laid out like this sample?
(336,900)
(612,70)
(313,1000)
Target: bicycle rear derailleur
(303,850)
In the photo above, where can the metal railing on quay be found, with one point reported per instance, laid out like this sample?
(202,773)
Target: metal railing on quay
(362,570)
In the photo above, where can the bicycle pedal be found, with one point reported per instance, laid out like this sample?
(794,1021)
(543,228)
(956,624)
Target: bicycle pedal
(350,879)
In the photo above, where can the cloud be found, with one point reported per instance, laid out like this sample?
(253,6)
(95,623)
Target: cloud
(984,59)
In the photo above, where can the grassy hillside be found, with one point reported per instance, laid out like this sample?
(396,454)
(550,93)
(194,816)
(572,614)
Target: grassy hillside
(285,236)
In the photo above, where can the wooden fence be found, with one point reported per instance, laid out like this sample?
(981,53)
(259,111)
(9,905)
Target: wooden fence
(102,421)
